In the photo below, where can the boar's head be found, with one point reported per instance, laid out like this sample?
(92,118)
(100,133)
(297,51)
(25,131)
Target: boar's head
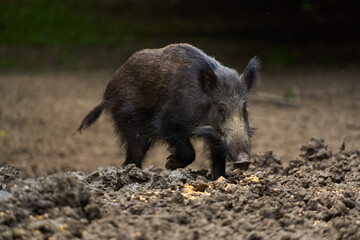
(227,123)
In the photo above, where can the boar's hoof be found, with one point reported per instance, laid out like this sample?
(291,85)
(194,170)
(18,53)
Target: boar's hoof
(242,164)
(173,164)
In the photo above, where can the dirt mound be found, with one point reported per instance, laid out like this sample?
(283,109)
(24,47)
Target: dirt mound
(314,196)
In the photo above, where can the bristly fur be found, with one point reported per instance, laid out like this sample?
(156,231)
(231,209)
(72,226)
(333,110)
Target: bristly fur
(176,93)
(91,117)
(251,73)
(252,131)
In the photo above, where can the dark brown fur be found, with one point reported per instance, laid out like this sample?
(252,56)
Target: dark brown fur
(175,93)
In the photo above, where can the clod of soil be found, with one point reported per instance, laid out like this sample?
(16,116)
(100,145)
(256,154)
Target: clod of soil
(316,196)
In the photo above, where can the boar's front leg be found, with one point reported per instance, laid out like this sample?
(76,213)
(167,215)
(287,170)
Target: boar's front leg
(182,153)
(218,160)
(136,149)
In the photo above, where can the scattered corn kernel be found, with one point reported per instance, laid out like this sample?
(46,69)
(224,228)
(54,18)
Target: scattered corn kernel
(63,227)
(189,188)
(137,234)
(253,178)
(190,193)
(221,178)
(3,133)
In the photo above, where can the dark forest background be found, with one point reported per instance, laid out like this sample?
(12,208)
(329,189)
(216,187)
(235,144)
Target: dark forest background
(37,35)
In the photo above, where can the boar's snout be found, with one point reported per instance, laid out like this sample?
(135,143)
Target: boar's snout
(242,161)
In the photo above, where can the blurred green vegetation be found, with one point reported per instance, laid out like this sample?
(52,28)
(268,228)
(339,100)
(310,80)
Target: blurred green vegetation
(282,56)
(57,23)
(41,34)
(82,34)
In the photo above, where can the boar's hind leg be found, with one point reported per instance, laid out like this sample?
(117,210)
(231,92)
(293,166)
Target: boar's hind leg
(135,151)
(182,153)
(218,161)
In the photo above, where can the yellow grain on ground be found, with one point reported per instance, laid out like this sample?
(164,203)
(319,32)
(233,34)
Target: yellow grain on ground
(253,178)
(221,178)
(3,133)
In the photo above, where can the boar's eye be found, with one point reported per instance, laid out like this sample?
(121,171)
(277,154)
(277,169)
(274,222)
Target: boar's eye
(222,111)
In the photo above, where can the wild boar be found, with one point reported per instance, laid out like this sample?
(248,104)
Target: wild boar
(176,93)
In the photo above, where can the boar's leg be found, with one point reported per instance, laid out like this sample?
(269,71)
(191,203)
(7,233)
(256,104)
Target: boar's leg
(218,160)
(136,150)
(182,153)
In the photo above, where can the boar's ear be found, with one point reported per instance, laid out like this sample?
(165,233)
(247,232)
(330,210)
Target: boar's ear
(208,81)
(251,73)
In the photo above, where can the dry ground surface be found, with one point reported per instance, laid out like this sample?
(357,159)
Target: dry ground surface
(287,193)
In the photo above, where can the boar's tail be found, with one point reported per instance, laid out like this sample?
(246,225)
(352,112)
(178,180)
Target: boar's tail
(91,117)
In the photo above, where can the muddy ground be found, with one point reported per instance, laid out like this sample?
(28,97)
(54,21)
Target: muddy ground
(316,196)
(64,186)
